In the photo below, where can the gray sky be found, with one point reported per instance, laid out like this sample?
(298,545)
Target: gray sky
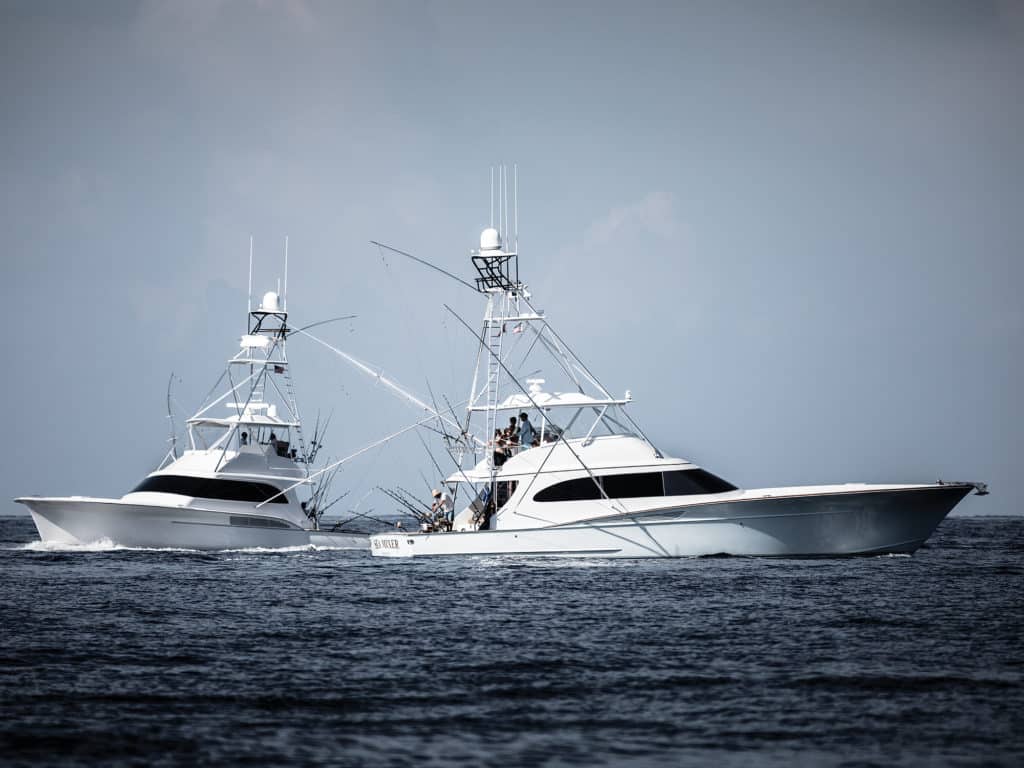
(793,229)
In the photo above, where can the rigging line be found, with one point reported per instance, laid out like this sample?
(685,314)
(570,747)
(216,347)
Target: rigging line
(230,432)
(473,396)
(437,409)
(432,459)
(593,379)
(409,508)
(231,391)
(444,442)
(320,322)
(290,402)
(426,264)
(435,430)
(362,498)
(348,458)
(425,481)
(574,358)
(379,376)
(355,511)
(365,476)
(452,372)
(324,510)
(533,402)
(287,404)
(559,357)
(212,390)
(459,470)
(364,515)
(449,404)
(440,472)
(406,313)
(529,349)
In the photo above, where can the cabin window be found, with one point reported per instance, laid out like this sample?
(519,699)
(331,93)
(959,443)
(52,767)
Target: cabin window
(685,482)
(632,486)
(689,482)
(580,489)
(212,488)
(257,522)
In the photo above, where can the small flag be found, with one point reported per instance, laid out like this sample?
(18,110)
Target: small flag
(278,369)
(518,328)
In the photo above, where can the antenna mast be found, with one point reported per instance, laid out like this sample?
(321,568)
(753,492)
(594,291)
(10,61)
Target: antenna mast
(250,273)
(515,200)
(284,298)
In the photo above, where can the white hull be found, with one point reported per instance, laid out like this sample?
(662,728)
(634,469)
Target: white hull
(77,521)
(821,524)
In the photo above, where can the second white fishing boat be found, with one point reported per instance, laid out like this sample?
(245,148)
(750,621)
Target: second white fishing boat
(236,485)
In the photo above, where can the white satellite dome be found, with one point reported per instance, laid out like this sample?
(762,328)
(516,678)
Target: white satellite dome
(490,240)
(271,302)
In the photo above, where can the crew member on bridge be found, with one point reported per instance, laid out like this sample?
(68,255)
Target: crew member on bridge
(526,431)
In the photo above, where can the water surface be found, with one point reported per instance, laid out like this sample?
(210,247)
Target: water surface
(305,657)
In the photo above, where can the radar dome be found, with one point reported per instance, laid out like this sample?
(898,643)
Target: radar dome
(270,302)
(490,240)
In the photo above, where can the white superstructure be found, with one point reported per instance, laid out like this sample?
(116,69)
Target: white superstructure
(239,483)
(594,485)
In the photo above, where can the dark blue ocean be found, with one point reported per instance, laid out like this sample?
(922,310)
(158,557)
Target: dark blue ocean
(125,657)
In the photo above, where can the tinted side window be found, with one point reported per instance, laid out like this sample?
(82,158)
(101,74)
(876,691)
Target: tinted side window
(633,486)
(256,522)
(580,489)
(211,488)
(688,482)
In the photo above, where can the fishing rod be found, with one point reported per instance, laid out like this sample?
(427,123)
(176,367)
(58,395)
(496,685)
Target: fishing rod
(293,331)
(366,516)
(426,263)
(321,512)
(170,418)
(419,517)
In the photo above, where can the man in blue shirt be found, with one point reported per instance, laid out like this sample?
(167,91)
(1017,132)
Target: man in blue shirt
(526,432)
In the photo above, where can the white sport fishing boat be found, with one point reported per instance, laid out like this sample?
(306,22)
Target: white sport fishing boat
(595,486)
(237,484)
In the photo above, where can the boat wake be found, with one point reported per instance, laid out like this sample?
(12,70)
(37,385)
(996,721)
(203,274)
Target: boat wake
(100,545)
(550,561)
(108,545)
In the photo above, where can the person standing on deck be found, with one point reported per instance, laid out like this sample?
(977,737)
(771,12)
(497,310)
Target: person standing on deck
(526,431)
(443,507)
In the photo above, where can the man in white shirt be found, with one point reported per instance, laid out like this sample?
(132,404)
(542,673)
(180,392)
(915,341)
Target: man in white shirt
(443,509)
